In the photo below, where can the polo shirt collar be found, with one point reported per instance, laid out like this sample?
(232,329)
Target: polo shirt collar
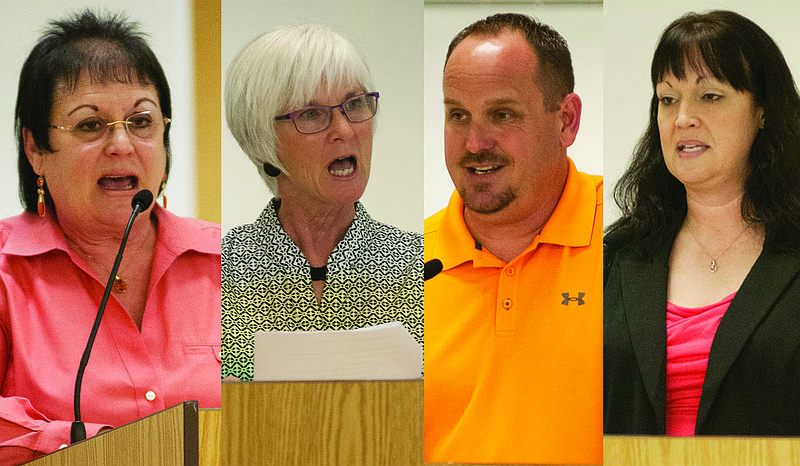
(572,222)
(454,243)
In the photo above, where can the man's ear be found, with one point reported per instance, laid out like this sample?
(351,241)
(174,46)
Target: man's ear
(570,119)
(35,155)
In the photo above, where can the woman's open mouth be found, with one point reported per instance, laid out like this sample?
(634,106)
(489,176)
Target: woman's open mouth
(343,167)
(118,183)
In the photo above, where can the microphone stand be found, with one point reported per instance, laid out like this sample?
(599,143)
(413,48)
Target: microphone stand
(141,201)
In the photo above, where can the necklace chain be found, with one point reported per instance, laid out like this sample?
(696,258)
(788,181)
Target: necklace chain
(713,266)
(120,285)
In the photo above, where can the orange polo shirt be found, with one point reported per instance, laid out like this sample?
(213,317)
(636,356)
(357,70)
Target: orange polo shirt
(513,352)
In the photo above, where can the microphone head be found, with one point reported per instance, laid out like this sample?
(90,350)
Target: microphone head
(431,269)
(143,198)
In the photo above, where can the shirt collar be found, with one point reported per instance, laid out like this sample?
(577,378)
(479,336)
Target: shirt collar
(454,243)
(570,224)
(29,235)
(181,234)
(357,237)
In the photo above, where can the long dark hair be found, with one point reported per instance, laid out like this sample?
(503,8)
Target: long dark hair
(108,49)
(736,51)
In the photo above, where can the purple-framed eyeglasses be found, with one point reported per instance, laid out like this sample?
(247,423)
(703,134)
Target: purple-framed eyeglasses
(316,118)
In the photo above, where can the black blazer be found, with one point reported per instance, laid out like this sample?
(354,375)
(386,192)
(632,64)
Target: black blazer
(752,384)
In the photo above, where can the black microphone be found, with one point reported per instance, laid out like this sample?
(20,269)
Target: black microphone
(140,202)
(143,199)
(431,269)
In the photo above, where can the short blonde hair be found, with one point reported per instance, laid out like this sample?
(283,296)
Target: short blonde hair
(278,72)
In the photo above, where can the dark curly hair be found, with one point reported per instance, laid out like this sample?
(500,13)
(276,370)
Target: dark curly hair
(555,76)
(109,49)
(736,51)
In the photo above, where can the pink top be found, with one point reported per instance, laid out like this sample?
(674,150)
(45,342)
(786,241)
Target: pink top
(48,302)
(690,332)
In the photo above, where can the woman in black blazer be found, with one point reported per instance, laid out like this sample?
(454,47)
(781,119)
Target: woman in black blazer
(702,292)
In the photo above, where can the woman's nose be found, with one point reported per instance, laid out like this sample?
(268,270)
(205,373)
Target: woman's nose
(340,126)
(687,115)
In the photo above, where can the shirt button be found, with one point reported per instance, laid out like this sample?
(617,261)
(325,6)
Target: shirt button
(507,303)
(511,271)
(150,395)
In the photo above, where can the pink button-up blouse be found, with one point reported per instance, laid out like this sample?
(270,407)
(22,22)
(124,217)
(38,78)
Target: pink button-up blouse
(48,302)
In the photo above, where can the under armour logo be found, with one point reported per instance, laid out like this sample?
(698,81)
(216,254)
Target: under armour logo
(567,299)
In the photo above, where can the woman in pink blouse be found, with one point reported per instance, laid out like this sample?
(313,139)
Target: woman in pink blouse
(92,120)
(702,294)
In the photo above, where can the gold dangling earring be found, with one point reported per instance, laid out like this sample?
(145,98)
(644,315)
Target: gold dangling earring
(40,202)
(164,192)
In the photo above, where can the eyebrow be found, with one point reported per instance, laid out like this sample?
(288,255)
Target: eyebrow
(145,99)
(492,103)
(351,94)
(96,108)
(500,102)
(698,81)
(93,107)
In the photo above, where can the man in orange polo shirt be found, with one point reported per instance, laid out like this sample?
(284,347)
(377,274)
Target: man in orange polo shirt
(513,315)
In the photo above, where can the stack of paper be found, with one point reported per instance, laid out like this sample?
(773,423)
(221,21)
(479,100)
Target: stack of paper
(382,352)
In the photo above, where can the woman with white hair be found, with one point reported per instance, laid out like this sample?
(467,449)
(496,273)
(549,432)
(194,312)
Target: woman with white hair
(300,103)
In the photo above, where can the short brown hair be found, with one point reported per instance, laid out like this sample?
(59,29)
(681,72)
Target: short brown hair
(554,76)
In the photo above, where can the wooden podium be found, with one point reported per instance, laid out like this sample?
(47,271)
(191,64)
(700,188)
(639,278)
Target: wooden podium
(322,423)
(700,451)
(180,435)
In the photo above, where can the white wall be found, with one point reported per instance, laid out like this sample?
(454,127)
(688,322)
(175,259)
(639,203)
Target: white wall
(388,34)
(632,30)
(168,24)
(581,26)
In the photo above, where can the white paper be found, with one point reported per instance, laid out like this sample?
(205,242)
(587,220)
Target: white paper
(382,352)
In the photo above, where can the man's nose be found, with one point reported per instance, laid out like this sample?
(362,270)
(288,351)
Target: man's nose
(480,136)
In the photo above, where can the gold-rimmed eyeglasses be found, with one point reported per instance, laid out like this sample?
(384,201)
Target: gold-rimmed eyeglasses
(141,125)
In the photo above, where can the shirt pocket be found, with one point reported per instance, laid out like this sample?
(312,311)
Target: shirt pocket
(205,353)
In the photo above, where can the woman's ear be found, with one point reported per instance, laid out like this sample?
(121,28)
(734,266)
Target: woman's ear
(35,155)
